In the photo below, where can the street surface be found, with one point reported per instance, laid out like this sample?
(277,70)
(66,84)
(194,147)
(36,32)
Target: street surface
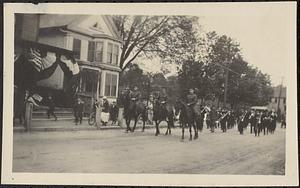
(113,151)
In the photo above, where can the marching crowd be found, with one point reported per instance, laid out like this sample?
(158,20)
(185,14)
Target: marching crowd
(258,120)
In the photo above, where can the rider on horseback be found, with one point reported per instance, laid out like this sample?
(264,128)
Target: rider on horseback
(192,100)
(163,98)
(135,96)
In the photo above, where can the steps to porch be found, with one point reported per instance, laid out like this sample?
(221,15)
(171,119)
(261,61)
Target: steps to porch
(40,114)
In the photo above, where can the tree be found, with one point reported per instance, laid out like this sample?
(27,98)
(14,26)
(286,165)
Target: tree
(246,85)
(165,36)
(134,76)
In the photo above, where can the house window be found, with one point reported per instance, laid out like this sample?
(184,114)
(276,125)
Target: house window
(76,48)
(115,54)
(111,85)
(95,51)
(112,54)
(89,81)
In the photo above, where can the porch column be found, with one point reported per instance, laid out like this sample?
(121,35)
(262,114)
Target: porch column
(28,115)
(98,110)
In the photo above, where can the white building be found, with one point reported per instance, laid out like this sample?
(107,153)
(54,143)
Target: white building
(96,44)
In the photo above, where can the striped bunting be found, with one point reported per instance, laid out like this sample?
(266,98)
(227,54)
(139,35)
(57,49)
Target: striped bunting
(36,59)
(73,67)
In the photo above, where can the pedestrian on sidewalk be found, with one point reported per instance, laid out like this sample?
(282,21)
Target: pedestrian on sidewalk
(78,111)
(105,111)
(51,106)
(113,113)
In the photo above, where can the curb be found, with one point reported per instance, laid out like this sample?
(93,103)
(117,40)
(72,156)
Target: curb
(64,129)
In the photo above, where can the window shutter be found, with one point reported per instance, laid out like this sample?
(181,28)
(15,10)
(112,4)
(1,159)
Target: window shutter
(91,51)
(76,48)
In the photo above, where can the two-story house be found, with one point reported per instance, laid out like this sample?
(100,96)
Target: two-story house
(96,45)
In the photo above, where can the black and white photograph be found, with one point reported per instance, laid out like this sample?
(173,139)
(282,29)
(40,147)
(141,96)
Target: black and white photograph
(150,94)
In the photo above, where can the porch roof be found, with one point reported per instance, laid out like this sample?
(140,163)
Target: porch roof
(97,65)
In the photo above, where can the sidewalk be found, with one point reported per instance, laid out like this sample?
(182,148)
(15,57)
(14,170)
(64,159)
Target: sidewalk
(67,125)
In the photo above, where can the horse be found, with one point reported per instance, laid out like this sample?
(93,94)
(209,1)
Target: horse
(187,118)
(161,113)
(134,110)
(199,116)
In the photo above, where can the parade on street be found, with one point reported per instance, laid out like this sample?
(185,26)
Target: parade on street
(148,94)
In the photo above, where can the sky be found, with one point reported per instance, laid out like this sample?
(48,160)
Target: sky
(263,32)
(262,40)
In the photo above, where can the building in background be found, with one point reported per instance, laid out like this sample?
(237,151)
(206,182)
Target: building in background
(278,99)
(96,45)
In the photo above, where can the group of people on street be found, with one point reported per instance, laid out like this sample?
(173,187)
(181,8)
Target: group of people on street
(224,119)
(108,111)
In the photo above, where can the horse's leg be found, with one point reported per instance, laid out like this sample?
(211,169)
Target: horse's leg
(128,124)
(167,128)
(144,122)
(190,129)
(144,118)
(157,129)
(159,121)
(136,118)
(171,124)
(196,131)
(182,135)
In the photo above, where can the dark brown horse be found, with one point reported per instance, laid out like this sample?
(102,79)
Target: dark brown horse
(134,110)
(187,118)
(163,112)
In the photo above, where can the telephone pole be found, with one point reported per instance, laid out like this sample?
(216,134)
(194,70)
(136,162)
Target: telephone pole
(225,88)
(279,96)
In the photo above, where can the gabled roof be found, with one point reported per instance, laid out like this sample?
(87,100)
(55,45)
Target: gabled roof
(78,23)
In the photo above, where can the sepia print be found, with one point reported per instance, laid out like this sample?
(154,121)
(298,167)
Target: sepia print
(151,95)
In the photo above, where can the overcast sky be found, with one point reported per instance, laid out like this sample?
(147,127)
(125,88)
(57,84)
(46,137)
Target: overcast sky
(262,39)
(263,30)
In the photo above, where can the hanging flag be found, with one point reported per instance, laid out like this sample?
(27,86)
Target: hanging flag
(49,59)
(72,65)
(34,56)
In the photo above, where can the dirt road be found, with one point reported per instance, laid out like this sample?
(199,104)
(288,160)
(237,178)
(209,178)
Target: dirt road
(113,151)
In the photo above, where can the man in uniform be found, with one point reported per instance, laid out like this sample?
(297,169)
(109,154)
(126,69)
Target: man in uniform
(135,95)
(192,100)
(212,118)
(163,98)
